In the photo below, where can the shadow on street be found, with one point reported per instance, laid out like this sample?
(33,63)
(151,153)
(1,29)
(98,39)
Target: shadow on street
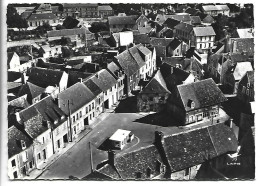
(127,105)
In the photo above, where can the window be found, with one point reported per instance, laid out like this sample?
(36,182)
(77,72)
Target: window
(111,89)
(74,119)
(200,45)
(92,105)
(77,116)
(15,174)
(209,45)
(74,128)
(31,164)
(42,139)
(13,163)
(86,110)
(187,171)
(244,90)
(23,144)
(39,156)
(93,114)
(89,108)
(50,135)
(57,130)
(80,114)
(115,86)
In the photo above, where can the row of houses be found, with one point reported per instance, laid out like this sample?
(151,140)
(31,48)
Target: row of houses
(57,113)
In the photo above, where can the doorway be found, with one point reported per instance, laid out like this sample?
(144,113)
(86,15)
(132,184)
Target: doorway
(86,121)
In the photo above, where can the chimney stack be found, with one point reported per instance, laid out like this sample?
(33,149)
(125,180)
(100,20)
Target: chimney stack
(111,157)
(231,123)
(159,137)
(18,118)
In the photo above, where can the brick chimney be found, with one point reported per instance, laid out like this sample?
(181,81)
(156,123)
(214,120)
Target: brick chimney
(231,123)
(111,157)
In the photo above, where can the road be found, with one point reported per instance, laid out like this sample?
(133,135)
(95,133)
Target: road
(76,161)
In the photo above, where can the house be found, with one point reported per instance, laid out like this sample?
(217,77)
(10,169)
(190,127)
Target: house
(234,75)
(46,77)
(184,152)
(195,68)
(120,138)
(245,32)
(153,97)
(32,122)
(120,77)
(105,10)
(195,20)
(181,17)
(240,45)
(78,103)
(46,51)
(175,48)
(84,10)
(195,102)
(171,23)
(178,77)
(184,32)
(20,154)
(42,15)
(160,45)
(122,38)
(13,61)
(214,10)
(118,23)
(115,169)
(192,11)
(76,76)
(33,92)
(143,39)
(204,38)
(214,66)
(142,21)
(245,89)
(131,70)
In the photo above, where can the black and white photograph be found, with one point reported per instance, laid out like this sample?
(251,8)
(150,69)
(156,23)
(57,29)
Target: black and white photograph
(129,91)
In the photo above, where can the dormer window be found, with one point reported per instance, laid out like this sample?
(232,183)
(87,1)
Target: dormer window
(191,104)
(55,122)
(62,117)
(23,144)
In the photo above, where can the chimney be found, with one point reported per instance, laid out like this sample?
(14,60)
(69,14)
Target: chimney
(18,118)
(159,137)
(231,123)
(96,75)
(111,157)
(80,80)
(24,78)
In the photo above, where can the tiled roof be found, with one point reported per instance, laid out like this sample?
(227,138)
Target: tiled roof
(175,43)
(237,57)
(194,147)
(104,8)
(82,5)
(33,122)
(192,11)
(171,23)
(195,20)
(160,51)
(42,16)
(127,62)
(156,85)
(44,77)
(203,93)
(245,33)
(161,41)
(141,38)
(121,20)
(173,61)
(31,90)
(185,27)
(138,161)
(181,17)
(112,67)
(14,141)
(78,96)
(204,31)
(13,85)
(143,49)
(68,32)
(144,30)
(136,55)
(12,76)
(50,111)
(244,45)
(105,79)
(241,69)
(208,19)
(109,171)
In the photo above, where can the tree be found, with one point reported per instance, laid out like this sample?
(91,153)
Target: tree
(59,27)
(44,28)
(14,20)
(66,52)
(98,27)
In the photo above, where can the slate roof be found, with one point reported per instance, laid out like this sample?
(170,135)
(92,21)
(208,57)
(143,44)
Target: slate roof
(41,16)
(74,77)
(143,49)
(144,30)
(244,45)
(175,43)
(127,63)
(204,31)
(82,5)
(194,147)
(141,38)
(160,51)
(92,86)
(137,161)
(78,96)
(13,76)
(13,85)
(203,93)
(195,20)
(156,85)
(112,67)
(237,57)
(173,61)
(14,143)
(192,11)
(44,77)
(171,23)
(121,20)
(181,17)
(68,32)
(245,33)
(184,27)
(31,90)
(241,69)
(136,55)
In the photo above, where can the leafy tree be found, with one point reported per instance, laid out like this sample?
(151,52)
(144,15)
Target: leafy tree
(60,27)
(66,52)
(44,28)
(14,20)
(98,27)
